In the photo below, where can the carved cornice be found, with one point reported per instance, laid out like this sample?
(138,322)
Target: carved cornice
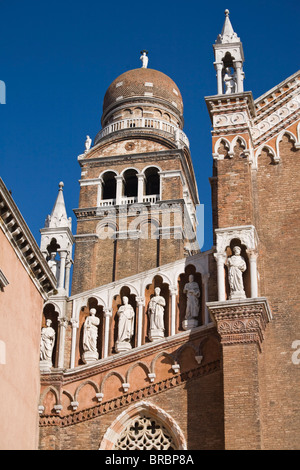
(241,322)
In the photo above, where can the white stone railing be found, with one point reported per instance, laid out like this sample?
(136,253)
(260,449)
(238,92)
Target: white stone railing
(148,123)
(152,198)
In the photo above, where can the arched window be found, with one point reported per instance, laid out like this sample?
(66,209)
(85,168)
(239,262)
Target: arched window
(145,433)
(152,181)
(109,185)
(130,183)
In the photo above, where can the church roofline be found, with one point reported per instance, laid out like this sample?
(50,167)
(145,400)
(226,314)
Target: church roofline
(22,241)
(276,87)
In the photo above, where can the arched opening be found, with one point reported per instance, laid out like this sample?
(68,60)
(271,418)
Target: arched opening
(163,312)
(152,182)
(50,313)
(109,185)
(190,298)
(84,314)
(127,335)
(130,183)
(143,426)
(145,432)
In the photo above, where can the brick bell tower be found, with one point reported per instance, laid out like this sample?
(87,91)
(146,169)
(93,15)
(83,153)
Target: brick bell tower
(137,189)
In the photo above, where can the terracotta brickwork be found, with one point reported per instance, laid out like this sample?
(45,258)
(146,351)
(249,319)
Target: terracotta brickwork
(261,407)
(196,383)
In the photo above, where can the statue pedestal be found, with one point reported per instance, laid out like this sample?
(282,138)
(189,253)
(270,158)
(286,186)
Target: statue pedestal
(45,366)
(238,295)
(122,346)
(190,323)
(90,356)
(155,335)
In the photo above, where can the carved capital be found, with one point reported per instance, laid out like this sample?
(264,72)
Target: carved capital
(241,322)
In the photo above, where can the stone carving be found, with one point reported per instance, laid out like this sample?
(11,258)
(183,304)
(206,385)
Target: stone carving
(229,81)
(90,335)
(144,59)
(156,315)
(236,266)
(54,265)
(125,326)
(88,143)
(192,291)
(46,346)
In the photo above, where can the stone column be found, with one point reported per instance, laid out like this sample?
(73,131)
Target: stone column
(241,325)
(107,317)
(173,292)
(119,190)
(62,270)
(63,323)
(69,263)
(252,254)
(205,278)
(141,179)
(140,303)
(100,192)
(75,325)
(219,68)
(239,76)
(221,258)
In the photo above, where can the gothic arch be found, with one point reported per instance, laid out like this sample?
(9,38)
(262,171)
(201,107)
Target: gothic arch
(110,374)
(140,364)
(161,354)
(83,384)
(279,139)
(236,140)
(270,150)
(225,142)
(143,408)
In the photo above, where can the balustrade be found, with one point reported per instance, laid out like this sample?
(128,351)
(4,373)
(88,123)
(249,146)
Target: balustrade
(149,123)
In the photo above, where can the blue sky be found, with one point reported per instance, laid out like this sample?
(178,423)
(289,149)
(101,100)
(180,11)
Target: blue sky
(58,58)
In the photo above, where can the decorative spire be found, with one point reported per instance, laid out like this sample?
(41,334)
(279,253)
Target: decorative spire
(144,58)
(227,35)
(58,217)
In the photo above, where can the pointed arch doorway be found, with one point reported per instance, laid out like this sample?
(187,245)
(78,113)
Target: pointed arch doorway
(143,426)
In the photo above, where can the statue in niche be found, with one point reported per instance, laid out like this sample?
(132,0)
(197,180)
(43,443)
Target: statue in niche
(88,143)
(236,266)
(125,326)
(54,264)
(90,336)
(47,345)
(156,314)
(192,291)
(229,81)
(144,59)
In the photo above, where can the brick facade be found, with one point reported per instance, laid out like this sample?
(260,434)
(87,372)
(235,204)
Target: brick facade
(229,382)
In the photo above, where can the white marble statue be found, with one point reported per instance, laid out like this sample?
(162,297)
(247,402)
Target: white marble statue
(47,345)
(90,335)
(54,265)
(125,326)
(236,266)
(88,143)
(156,313)
(192,291)
(229,81)
(144,59)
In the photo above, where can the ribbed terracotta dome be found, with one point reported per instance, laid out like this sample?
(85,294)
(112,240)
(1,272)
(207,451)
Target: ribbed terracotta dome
(143,82)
